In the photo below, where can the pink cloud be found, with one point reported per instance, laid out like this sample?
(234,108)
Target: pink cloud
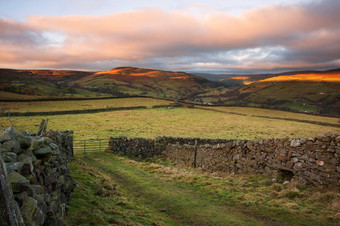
(145,35)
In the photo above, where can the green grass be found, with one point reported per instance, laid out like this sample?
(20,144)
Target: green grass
(99,200)
(45,89)
(277,113)
(118,191)
(181,122)
(294,95)
(127,192)
(80,104)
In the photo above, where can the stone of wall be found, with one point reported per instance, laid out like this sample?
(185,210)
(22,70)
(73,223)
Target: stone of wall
(37,175)
(313,161)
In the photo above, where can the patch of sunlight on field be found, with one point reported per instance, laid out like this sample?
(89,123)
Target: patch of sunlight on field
(181,122)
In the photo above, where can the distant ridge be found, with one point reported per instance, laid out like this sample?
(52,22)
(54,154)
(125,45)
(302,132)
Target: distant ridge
(117,82)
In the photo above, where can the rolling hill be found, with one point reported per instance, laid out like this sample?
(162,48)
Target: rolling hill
(122,81)
(306,92)
(246,79)
(147,82)
(39,84)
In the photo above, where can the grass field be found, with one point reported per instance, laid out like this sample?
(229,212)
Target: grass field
(126,192)
(277,113)
(182,122)
(115,190)
(306,96)
(44,106)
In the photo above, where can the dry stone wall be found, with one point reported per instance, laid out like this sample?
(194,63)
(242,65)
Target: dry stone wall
(35,177)
(314,161)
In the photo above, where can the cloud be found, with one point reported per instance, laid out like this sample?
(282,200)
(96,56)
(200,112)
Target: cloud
(270,37)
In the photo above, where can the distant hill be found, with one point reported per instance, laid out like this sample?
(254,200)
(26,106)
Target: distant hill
(313,92)
(306,91)
(121,81)
(247,78)
(38,84)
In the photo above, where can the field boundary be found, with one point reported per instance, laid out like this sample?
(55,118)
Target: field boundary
(85,111)
(81,98)
(159,98)
(309,161)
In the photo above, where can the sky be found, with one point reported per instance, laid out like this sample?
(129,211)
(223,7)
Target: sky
(215,36)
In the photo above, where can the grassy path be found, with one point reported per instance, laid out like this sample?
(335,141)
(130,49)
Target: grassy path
(115,190)
(163,201)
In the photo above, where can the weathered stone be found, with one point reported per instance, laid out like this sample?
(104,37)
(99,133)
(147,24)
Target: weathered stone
(236,157)
(295,143)
(10,157)
(35,189)
(24,141)
(13,166)
(46,175)
(43,151)
(27,167)
(320,136)
(27,154)
(329,134)
(38,143)
(294,160)
(5,137)
(19,183)
(289,164)
(31,213)
(11,146)
(319,162)
(337,139)
(63,170)
(21,197)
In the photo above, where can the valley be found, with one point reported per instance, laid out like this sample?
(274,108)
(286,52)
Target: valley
(315,92)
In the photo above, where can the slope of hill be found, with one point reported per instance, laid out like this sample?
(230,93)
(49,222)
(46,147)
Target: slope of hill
(122,81)
(246,79)
(36,84)
(309,92)
(138,81)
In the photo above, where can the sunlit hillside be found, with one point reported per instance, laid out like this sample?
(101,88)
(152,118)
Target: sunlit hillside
(306,77)
(148,82)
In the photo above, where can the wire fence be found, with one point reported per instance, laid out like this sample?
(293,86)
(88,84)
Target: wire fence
(90,145)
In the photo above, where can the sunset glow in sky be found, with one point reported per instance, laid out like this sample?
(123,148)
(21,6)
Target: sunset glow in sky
(185,35)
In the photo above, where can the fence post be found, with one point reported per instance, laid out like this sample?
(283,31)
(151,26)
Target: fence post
(194,163)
